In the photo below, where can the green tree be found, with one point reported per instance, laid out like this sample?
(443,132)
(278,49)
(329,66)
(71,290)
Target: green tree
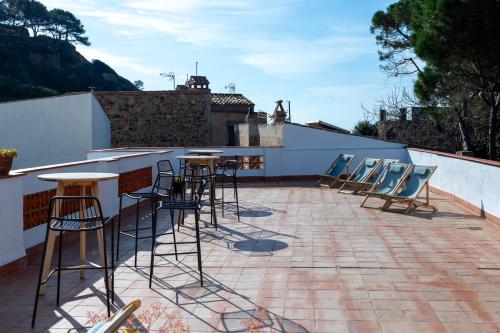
(465,35)
(35,16)
(365,128)
(65,26)
(139,84)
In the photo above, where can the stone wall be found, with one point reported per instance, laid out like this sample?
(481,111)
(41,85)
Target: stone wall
(158,118)
(263,135)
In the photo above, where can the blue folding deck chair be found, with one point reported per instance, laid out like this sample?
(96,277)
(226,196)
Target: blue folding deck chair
(409,189)
(336,169)
(362,173)
(368,183)
(388,181)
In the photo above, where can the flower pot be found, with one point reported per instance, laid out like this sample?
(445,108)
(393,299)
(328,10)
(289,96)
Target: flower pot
(5,166)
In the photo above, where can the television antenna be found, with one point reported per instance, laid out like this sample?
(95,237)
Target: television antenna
(231,87)
(170,76)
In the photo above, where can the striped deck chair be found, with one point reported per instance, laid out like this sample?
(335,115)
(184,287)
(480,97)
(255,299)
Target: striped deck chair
(409,189)
(368,184)
(112,324)
(388,181)
(332,175)
(362,173)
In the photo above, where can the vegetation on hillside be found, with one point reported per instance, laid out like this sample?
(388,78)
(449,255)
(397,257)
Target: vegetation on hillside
(451,49)
(38,56)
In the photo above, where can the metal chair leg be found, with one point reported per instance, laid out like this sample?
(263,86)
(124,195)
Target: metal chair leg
(198,245)
(119,229)
(173,232)
(136,232)
(113,260)
(105,264)
(153,245)
(237,199)
(37,295)
(59,259)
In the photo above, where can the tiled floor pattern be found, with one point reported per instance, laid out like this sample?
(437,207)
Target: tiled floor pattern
(302,259)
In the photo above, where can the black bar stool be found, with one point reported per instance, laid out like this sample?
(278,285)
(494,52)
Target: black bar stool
(194,203)
(161,189)
(200,170)
(76,214)
(228,169)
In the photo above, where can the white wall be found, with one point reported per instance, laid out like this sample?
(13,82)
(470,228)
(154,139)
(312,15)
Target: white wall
(310,150)
(53,130)
(474,182)
(11,220)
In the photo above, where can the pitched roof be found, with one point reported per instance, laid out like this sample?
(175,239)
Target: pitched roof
(198,80)
(327,126)
(231,99)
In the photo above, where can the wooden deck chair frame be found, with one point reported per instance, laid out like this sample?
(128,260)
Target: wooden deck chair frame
(334,179)
(370,193)
(351,182)
(411,202)
(111,324)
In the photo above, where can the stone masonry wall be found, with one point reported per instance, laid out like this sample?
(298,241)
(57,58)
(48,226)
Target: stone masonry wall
(158,118)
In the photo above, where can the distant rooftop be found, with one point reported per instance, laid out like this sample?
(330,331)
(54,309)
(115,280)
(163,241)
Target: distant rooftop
(230,99)
(324,125)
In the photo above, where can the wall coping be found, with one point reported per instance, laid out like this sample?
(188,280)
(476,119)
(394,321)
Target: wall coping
(21,172)
(460,157)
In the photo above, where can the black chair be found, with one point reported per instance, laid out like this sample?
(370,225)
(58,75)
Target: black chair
(75,214)
(161,189)
(193,202)
(200,170)
(165,166)
(228,169)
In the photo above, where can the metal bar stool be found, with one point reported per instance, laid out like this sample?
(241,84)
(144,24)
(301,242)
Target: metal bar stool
(76,214)
(199,170)
(161,189)
(194,203)
(226,169)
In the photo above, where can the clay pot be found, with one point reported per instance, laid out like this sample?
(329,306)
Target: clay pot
(5,166)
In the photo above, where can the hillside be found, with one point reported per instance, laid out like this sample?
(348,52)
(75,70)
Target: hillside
(43,66)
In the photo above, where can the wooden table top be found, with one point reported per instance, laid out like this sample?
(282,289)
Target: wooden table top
(197,157)
(78,176)
(206,151)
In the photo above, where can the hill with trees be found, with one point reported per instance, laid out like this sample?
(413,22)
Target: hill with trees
(38,55)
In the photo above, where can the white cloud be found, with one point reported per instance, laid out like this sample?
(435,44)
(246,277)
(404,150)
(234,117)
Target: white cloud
(119,62)
(288,57)
(236,24)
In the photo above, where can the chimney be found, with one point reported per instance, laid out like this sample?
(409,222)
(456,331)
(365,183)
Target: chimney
(279,114)
(383,115)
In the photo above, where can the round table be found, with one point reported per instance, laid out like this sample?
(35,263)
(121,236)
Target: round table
(199,160)
(81,180)
(208,152)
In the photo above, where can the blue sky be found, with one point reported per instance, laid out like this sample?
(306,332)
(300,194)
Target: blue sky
(319,54)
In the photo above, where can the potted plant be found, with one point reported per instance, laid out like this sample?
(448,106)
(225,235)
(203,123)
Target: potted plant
(178,185)
(6,156)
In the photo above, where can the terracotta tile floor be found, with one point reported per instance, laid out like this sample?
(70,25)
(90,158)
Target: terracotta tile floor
(302,259)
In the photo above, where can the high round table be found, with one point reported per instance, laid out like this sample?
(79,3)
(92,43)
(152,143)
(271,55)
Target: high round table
(208,152)
(80,180)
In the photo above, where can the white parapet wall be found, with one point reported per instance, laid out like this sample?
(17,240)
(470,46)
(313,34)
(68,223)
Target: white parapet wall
(54,129)
(22,194)
(475,181)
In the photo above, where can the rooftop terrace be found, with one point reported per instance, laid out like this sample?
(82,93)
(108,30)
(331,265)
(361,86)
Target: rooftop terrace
(302,259)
